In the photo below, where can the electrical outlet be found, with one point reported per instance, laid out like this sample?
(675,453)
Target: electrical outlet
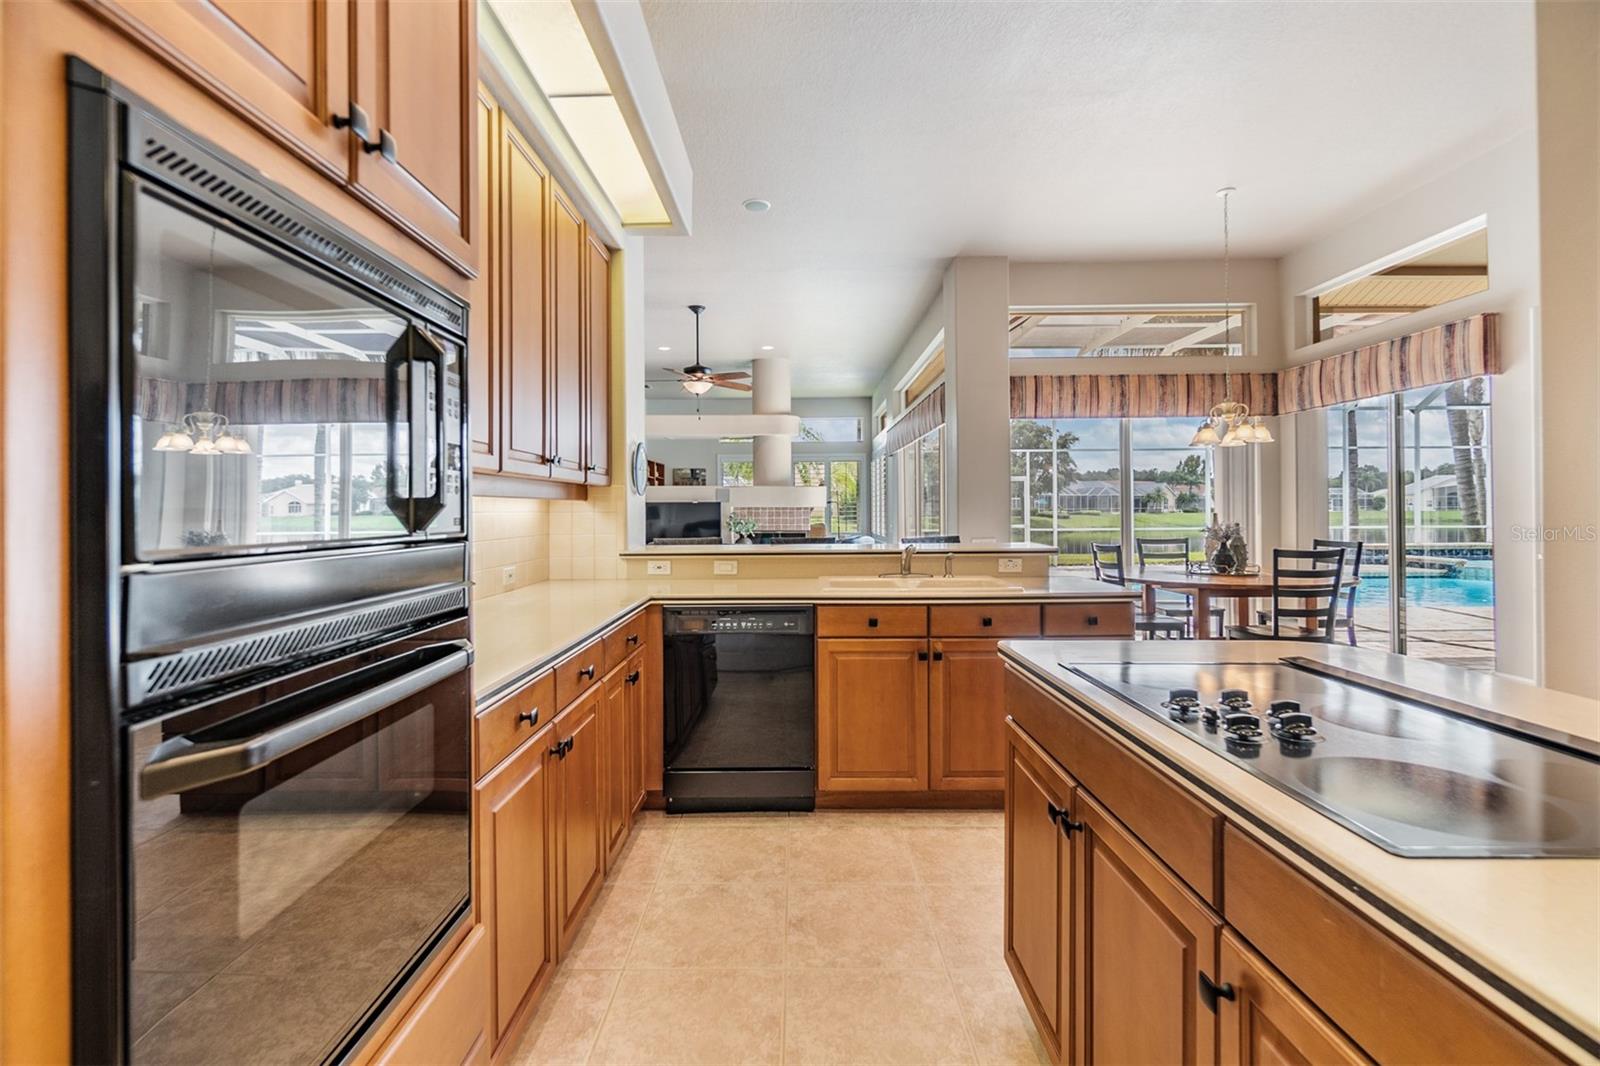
(1010,565)
(658,567)
(508,578)
(725,566)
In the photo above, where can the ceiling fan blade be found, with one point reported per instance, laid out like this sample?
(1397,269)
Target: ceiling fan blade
(734,376)
(737,386)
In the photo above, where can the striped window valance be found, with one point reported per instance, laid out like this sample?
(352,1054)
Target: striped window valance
(1468,348)
(1139,395)
(918,421)
(258,403)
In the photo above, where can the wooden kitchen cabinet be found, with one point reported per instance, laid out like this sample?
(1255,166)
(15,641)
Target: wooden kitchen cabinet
(310,73)
(448,1024)
(1143,940)
(1039,888)
(514,862)
(578,748)
(484,387)
(596,361)
(645,725)
(966,715)
(416,75)
(1266,1020)
(872,715)
(518,281)
(564,370)
(619,744)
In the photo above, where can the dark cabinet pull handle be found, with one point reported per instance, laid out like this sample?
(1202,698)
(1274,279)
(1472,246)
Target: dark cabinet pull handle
(1210,992)
(384,146)
(531,717)
(922,656)
(1093,619)
(587,671)
(988,622)
(357,122)
(560,750)
(1053,811)
(633,638)
(633,678)
(1068,826)
(938,656)
(872,623)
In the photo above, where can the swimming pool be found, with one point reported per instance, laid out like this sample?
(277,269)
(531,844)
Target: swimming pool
(1473,588)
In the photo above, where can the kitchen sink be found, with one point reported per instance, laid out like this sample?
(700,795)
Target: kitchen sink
(922,583)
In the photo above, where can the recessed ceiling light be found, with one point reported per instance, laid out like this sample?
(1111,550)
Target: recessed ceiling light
(757,206)
(766,347)
(665,348)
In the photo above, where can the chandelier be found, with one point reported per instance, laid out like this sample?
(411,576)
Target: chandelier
(1229,423)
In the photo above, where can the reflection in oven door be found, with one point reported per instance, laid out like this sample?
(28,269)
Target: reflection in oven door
(275,908)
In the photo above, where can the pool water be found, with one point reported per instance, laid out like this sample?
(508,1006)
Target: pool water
(1464,591)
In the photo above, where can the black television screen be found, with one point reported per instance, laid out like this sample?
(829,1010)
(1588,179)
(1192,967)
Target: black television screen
(677,521)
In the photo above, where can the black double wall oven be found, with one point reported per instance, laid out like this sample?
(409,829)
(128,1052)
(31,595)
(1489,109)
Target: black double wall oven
(271,668)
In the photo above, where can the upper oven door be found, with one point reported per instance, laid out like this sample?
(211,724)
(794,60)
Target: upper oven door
(270,404)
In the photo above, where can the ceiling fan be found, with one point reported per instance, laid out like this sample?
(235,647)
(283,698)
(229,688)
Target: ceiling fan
(698,379)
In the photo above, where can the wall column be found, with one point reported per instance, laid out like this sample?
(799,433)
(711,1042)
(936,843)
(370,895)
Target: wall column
(977,397)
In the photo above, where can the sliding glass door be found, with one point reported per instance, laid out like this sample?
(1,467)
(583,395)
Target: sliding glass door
(1427,585)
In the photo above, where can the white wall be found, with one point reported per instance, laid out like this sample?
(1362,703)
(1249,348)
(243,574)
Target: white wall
(1502,184)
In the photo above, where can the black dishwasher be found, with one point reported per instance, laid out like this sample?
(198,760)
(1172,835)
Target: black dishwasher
(739,721)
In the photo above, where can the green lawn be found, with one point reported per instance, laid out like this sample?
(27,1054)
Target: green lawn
(361,523)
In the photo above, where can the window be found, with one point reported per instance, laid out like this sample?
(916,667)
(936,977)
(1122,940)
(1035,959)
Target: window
(736,471)
(925,379)
(841,515)
(1444,601)
(880,496)
(922,486)
(830,430)
(1081,481)
(1120,333)
(310,471)
(1426,278)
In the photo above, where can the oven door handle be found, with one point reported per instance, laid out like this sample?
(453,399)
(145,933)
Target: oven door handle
(179,763)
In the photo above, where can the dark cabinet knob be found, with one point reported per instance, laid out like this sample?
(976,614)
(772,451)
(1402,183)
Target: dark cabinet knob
(922,656)
(988,622)
(872,623)
(531,717)
(938,656)
(633,678)
(1052,810)
(1210,992)
(633,638)
(559,751)
(1092,620)
(587,671)
(384,146)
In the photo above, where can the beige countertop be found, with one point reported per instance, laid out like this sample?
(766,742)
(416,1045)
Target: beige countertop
(516,633)
(846,548)
(1534,924)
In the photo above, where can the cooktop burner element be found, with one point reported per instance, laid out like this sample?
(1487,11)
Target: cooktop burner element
(1413,779)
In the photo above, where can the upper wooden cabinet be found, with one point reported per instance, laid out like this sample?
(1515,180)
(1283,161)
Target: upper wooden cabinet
(517,277)
(483,369)
(378,95)
(564,368)
(596,361)
(416,76)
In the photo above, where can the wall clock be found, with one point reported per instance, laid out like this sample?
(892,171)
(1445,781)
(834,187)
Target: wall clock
(639,470)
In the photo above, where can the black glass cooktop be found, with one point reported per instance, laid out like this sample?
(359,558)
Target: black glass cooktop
(1413,779)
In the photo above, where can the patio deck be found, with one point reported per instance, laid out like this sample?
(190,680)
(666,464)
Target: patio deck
(1458,636)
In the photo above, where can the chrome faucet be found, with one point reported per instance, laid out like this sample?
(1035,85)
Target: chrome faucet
(906,555)
(949,564)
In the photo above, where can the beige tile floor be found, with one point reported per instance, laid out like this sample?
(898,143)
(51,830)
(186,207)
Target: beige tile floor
(834,937)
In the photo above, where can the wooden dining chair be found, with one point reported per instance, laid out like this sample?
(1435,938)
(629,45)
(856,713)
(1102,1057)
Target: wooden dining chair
(1107,559)
(1345,620)
(1172,551)
(1305,593)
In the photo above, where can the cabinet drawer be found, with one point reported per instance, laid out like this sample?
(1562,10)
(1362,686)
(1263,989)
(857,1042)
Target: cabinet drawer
(1370,985)
(509,722)
(450,1023)
(886,621)
(1182,831)
(624,640)
(1109,620)
(578,671)
(984,620)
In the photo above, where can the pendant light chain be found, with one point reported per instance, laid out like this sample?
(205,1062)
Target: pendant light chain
(1227,304)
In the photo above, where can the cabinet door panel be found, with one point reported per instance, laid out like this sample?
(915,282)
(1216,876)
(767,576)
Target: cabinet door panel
(416,75)
(967,712)
(872,715)
(483,347)
(597,361)
(617,806)
(565,430)
(284,65)
(1038,892)
(638,725)
(521,292)
(514,857)
(1268,1021)
(1143,939)
(579,840)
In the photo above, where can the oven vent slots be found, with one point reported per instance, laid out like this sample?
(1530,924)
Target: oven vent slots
(187,669)
(204,183)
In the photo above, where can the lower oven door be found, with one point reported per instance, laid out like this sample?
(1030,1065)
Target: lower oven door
(297,852)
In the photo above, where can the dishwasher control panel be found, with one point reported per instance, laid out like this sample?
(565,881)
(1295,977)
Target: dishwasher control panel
(795,621)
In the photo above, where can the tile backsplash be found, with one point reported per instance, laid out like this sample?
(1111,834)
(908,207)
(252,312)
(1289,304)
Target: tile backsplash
(546,540)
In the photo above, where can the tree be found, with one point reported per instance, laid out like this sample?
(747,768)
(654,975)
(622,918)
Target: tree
(1191,470)
(1465,420)
(1046,473)
(1190,502)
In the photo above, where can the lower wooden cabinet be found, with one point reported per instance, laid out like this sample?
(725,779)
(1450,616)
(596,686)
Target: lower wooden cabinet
(1264,1019)
(578,747)
(1143,942)
(619,748)
(448,1025)
(966,715)
(1039,888)
(872,715)
(514,862)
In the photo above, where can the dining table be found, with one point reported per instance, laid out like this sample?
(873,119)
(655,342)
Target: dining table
(1206,588)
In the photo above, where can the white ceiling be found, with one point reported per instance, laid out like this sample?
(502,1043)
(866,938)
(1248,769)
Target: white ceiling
(891,136)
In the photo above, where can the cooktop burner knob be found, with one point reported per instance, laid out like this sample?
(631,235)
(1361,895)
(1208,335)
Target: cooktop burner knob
(1242,725)
(1182,703)
(1234,697)
(1284,707)
(1176,695)
(1294,726)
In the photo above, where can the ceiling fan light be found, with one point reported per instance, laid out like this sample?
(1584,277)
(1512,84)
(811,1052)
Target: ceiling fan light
(697,386)
(1205,436)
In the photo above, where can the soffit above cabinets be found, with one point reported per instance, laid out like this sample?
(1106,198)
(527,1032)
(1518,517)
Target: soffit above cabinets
(719,427)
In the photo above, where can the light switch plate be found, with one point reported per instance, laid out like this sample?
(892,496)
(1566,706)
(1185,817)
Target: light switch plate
(1010,565)
(658,566)
(725,566)
(508,578)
